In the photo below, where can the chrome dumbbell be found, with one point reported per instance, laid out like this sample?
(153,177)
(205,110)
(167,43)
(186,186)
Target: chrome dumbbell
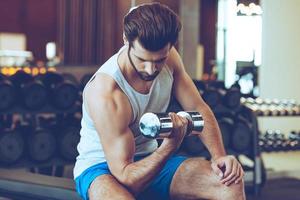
(159,125)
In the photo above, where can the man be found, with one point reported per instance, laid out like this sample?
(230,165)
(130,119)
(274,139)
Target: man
(115,161)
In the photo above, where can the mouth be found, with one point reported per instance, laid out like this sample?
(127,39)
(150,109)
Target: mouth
(147,77)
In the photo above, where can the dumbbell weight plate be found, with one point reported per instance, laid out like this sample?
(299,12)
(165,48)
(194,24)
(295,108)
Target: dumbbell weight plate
(11,147)
(70,77)
(232,98)
(200,85)
(226,127)
(212,97)
(36,96)
(241,137)
(7,96)
(66,95)
(159,125)
(155,125)
(68,141)
(42,145)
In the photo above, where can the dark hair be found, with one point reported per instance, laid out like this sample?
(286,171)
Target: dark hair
(154,25)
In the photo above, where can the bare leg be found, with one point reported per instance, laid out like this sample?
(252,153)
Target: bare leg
(194,179)
(106,187)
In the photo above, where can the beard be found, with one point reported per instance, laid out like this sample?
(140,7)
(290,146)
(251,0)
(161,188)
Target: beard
(146,77)
(143,75)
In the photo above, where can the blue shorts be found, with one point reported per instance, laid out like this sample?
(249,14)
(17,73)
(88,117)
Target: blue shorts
(158,188)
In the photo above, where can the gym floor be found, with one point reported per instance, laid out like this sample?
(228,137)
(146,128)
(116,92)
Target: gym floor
(276,189)
(279,189)
(283,177)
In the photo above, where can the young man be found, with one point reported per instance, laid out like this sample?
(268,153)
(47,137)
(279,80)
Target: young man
(115,161)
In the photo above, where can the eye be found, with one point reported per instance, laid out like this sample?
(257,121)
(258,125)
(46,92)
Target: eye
(140,59)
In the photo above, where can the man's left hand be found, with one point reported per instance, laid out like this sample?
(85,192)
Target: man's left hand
(228,169)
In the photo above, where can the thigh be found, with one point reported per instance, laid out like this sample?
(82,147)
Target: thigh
(106,187)
(194,179)
(159,188)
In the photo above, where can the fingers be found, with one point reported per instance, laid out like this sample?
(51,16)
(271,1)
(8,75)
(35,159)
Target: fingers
(230,173)
(234,173)
(241,176)
(179,122)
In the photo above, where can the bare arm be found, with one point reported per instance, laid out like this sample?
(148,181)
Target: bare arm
(111,113)
(190,99)
(187,94)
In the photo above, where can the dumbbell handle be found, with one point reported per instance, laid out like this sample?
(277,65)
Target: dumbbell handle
(159,125)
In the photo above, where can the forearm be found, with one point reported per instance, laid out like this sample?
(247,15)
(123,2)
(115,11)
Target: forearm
(211,134)
(137,175)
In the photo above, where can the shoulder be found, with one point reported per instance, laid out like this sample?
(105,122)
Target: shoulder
(102,84)
(103,95)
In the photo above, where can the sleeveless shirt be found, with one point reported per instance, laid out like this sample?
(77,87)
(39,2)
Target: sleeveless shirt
(157,100)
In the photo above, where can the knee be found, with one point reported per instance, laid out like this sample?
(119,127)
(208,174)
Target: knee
(233,191)
(222,191)
(235,188)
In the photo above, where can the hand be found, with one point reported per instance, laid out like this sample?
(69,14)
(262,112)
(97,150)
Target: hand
(180,125)
(228,169)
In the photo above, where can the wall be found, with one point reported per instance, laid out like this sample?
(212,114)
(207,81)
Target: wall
(279,75)
(189,36)
(36,19)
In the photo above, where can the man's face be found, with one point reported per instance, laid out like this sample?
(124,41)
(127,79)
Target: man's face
(147,64)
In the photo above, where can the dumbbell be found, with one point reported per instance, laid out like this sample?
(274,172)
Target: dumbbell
(31,93)
(226,125)
(12,146)
(274,140)
(68,136)
(159,125)
(241,136)
(63,92)
(294,140)
(281,108)
(7,93)
(252,104)
(40,142)
(230,97)
(291,106)
(262,142)
(278,140)
(209,94)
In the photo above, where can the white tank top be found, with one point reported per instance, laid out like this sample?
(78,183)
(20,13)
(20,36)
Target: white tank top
(157,100)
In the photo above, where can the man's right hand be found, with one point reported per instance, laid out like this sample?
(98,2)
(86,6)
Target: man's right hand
(180,125)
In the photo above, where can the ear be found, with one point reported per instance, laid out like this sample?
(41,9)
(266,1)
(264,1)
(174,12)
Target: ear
(125,40)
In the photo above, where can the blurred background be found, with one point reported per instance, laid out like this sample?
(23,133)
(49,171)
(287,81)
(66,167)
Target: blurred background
(243,56)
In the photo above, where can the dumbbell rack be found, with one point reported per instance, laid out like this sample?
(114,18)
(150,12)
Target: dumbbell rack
(33,115)
(257,176)
(17,109)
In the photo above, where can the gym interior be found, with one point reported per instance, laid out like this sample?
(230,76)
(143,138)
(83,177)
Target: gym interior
(241,54)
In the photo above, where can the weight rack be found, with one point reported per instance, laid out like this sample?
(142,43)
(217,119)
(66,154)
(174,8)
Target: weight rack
(254,115)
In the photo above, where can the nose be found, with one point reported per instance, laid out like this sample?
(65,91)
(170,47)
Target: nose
(150,67)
